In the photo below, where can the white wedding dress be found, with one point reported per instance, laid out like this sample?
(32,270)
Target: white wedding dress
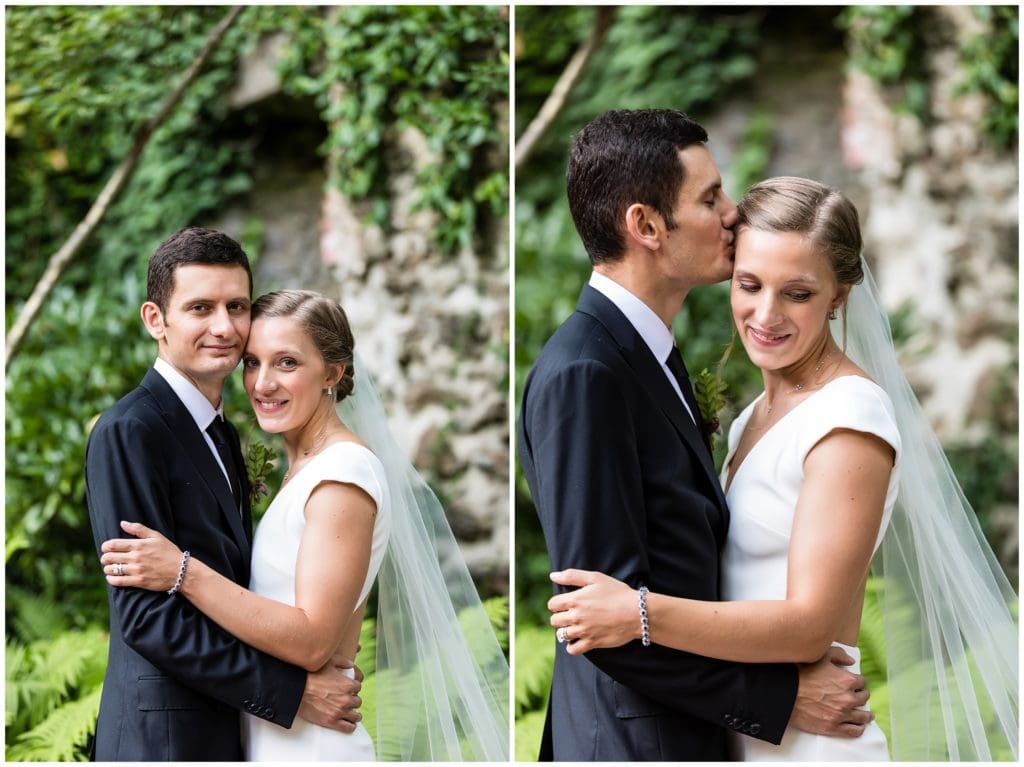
(762,501)
(274,554)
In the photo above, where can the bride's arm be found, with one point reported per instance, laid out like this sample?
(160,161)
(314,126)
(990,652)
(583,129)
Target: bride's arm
(330,569)
(834,530)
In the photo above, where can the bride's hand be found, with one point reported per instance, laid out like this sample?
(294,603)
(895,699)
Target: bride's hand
(147,561)
(603,612)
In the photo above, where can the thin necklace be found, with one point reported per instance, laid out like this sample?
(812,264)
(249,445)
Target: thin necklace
(802,386)
(799,387)
(314,449)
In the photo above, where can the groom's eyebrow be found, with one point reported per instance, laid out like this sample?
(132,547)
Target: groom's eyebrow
(714,186)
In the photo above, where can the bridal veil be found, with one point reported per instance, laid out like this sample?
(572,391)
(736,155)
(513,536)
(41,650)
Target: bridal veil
(441,680)
(950,630)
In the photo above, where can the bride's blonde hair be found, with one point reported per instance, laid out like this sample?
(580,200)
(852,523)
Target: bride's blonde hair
(823,214)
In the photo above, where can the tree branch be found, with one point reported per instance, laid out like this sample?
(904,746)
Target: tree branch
(60,260)
(559,94)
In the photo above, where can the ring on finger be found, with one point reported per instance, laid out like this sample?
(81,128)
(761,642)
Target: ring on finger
(562,635)
(118,569)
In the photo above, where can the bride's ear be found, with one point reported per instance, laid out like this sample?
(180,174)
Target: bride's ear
(334,374)
(153,319)
(842,294)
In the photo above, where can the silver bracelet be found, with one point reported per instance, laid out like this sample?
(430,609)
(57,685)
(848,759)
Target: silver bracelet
(645,627)
(181,575)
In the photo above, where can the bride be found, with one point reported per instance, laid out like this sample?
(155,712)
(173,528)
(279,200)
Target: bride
(833,469)
(350,511)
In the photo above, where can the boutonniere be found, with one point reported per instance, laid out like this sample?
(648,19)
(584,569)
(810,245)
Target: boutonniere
(709,391)
(259,462)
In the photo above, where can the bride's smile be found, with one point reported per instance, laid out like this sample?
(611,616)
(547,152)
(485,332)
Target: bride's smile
(285,377)
(781,294)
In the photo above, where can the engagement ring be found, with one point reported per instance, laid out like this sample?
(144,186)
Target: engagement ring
(118,569)
(561,635)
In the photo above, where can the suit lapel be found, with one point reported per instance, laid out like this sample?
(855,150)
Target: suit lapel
(194,445)
(650,374)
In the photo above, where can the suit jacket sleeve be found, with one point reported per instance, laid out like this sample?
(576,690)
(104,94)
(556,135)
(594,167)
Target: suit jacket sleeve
(125,479)
(588,481)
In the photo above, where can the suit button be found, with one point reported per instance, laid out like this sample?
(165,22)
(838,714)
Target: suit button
(270,713)
(727,719)
(755,728)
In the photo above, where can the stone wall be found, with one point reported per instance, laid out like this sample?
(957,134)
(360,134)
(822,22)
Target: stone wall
(430,327)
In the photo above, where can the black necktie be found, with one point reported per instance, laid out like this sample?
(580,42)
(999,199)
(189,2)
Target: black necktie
(678,368)
(218,431)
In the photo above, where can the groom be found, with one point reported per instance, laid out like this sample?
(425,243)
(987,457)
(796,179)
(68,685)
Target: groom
(613,447)
(165,456)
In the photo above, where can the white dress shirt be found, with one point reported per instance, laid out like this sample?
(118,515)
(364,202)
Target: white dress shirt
(655,333)
(195,403)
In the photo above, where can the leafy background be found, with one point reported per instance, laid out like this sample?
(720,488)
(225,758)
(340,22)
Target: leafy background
(78,82)
(694,59)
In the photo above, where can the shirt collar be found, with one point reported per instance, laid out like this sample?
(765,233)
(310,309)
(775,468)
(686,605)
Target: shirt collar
(195,402)
(643,318)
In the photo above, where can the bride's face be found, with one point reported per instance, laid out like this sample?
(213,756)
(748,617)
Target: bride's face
(284,375)
(781,293)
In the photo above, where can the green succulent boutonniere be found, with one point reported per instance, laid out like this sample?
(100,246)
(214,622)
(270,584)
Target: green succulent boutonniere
(259,462)
(709,391)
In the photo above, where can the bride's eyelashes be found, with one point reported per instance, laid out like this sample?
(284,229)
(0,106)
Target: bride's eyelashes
(795,295)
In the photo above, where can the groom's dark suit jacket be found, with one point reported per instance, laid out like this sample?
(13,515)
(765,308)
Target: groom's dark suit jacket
(175,681)
(624,484)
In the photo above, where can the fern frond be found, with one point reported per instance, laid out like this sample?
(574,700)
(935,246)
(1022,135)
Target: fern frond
(43,674)
(535,661)
(497,610)
(529,730)
(62,736)
(34,617)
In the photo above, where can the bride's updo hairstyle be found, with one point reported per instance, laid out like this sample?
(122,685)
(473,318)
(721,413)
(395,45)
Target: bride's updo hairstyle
(325,322)
(824,215)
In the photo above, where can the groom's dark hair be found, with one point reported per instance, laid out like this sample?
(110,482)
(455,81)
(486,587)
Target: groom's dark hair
(192,245)
(624,157)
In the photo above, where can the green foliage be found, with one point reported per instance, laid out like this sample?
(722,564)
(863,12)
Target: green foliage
(890,44)
(260,462)
(535,658)
(53,694)
(751,163)
(440,69)
(709,392)
(400,688)
(991,67)
(886,43)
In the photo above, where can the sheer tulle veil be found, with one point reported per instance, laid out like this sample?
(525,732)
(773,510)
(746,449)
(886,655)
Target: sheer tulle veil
(950,631)
(441,680)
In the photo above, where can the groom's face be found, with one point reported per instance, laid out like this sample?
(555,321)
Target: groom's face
(206,322)
(701,247)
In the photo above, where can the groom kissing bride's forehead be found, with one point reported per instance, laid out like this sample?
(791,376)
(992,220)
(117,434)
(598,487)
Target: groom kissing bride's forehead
(613,447)
(164,455)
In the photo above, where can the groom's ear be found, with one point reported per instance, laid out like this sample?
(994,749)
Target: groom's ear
(642,226)
(153,319)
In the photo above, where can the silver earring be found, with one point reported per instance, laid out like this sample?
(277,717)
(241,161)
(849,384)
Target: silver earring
(832,314)
(330,391)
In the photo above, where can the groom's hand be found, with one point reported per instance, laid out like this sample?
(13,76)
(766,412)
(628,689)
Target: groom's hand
(330,698)
(828,698)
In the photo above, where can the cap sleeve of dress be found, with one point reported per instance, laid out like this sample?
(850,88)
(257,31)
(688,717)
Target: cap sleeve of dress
(850,402)
(352,464)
